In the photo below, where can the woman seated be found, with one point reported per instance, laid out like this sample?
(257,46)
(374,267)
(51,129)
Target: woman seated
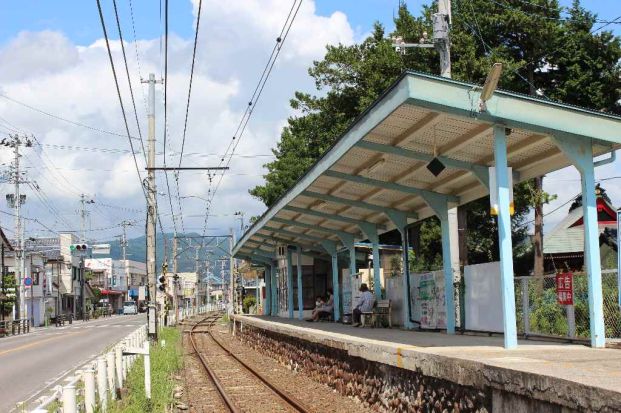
(325,310)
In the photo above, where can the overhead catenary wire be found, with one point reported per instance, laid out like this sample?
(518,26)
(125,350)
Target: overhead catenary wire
(118,92)
(129,79)
(138,65)
(168,192)
(280,41)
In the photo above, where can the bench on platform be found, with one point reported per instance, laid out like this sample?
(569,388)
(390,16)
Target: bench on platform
(381,309)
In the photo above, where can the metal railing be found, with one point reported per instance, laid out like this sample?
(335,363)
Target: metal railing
(91,387)
(14,327)
(540,314)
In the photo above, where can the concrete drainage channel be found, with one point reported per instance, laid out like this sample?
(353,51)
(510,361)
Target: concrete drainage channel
(378,386)
(91,386)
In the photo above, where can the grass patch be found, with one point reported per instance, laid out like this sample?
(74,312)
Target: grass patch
(164,363)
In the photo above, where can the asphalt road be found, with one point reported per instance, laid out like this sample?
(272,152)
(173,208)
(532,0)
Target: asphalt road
(32,363)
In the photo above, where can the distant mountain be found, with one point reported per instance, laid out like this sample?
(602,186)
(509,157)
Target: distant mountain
(137,251)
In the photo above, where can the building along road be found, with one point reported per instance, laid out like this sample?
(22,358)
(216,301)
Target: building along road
(36,361)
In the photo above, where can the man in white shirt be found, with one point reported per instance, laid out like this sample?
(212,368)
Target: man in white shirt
(365,304)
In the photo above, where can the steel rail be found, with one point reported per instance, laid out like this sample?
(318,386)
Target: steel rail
(289,399)
(216,381)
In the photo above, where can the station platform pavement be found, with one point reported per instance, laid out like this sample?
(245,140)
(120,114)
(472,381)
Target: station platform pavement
(570,375)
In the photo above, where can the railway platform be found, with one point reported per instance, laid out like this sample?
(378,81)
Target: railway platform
(537,376)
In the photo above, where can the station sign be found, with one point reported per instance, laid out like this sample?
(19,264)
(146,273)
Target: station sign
(565,288)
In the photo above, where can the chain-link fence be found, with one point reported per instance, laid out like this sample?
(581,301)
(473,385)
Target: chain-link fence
(539,313)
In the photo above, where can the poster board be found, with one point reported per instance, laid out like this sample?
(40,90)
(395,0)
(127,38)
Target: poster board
(483,303)
(427,293)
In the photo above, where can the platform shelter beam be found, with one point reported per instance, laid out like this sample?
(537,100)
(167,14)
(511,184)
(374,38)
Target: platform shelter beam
(370,230)
(580,152)
(481,172)
(325,215)
(294,234)
(311,226)
(352,203)
(386,185)
(503,191)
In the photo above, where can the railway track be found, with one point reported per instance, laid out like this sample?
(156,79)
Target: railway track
(241,387)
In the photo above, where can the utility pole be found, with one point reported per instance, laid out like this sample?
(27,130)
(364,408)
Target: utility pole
(15,201)
(125,224)
(83,214)
(231,274)
(151,209)
(196,265)
(175,269)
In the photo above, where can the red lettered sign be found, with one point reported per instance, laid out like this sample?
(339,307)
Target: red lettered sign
(565,288)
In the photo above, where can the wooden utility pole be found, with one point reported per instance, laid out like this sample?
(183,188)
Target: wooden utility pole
(151,210)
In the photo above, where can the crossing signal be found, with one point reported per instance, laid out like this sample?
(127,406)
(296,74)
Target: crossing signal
(162,281)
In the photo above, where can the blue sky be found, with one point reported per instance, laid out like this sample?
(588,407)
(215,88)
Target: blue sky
(78,19)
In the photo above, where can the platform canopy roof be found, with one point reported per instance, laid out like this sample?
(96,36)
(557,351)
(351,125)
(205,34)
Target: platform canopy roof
(379,165)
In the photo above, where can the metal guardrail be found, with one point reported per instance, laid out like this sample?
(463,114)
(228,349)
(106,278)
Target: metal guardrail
(14,327)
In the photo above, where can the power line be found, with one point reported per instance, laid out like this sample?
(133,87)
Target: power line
(166,115)
(187,106)
(131,13)
(280,40)
(72,122)
(187,110)
(118,92)
(129,80)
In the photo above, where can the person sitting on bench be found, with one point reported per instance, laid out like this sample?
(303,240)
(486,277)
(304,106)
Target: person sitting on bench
(324,310)
(365,304)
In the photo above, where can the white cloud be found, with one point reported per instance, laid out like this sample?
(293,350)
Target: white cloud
(75,81)
(36,53)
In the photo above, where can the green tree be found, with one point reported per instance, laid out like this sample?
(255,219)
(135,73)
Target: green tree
(8,294)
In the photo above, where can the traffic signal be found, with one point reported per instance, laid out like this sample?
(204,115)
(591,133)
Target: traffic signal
(78,247)
(162,281)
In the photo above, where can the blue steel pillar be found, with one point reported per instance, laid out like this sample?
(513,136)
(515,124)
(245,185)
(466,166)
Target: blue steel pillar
(267,305)
(580,152)
(504,237)
(370,230)
(300,295)
(273,280)
(400,220)
(289,282)
(330,247)
(439,204)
